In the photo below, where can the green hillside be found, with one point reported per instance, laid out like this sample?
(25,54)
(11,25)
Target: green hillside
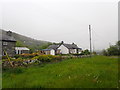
(95,72)
(29,42)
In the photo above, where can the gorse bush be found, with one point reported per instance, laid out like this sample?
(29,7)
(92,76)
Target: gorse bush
(29,55)
(47,58)
(25,56)
(44,58)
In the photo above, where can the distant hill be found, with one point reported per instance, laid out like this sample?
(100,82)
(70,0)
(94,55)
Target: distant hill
(28,42)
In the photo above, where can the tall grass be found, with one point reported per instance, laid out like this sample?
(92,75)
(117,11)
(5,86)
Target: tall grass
(95,72)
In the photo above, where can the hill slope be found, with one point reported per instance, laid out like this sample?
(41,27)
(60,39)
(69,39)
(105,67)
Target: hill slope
(27,41)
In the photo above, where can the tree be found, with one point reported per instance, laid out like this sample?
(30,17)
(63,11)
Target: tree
(85,52)
(19,44)
(105,52)
(46,45)
(118,43)
(113,50)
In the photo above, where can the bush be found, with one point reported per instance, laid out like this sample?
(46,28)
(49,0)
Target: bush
(4,57)
(43,58)
(113,50)
(26,56)
(105,52)
(17,56)
(46,58)
(85,52)
(76,54)
(59,58)
(18,59)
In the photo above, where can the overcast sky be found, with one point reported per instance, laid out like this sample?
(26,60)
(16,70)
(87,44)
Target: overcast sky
(63,20)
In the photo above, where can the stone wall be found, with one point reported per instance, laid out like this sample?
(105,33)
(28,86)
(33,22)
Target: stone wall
(9,47)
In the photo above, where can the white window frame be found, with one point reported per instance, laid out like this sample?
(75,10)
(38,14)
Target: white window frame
(5,43)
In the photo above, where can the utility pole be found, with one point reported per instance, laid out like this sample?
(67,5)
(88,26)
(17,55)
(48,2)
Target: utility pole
(93,48)
(90,39)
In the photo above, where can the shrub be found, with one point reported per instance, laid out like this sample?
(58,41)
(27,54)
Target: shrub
(113,50)
(36,62)
(58,58)
(4,57)
(26,56)
(76,54)
(4,60)
(85,52)
(44,58)
(19,59)
(17,56)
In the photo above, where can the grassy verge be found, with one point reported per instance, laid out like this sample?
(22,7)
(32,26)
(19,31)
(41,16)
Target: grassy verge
(95,72)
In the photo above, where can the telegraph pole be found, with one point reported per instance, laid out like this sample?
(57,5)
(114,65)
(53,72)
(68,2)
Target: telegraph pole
(90,39)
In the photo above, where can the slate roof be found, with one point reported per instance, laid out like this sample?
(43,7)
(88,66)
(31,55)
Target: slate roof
(46,49)
(5,37)
(53,47)
(21,48)
(69,46)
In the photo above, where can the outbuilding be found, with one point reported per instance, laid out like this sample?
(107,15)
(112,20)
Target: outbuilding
(22,50)
(49,51)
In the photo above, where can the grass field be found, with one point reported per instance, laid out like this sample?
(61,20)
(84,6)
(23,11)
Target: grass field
(95,72)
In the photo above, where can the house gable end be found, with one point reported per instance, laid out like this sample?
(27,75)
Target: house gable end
(63,49)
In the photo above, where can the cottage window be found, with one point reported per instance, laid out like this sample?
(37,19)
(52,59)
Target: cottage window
(5,43)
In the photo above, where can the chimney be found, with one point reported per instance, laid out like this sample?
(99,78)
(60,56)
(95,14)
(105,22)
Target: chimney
(9,33)
(62,42)
(72,43)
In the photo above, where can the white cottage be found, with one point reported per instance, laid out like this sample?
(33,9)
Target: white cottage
(21,50)
(63,48)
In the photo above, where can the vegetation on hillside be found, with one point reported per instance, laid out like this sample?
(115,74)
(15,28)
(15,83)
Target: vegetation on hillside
(32,44)
(20,44)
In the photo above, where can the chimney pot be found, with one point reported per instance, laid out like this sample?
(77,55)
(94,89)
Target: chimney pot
(9,33)
(62,42)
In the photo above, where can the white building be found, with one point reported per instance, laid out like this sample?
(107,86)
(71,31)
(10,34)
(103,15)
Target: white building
(21,50)
(63,48)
